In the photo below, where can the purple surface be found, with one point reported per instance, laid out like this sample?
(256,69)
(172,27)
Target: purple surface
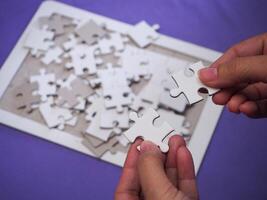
(236,161)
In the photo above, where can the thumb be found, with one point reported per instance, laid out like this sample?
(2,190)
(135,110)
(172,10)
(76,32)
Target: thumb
(239,70)
(154,182)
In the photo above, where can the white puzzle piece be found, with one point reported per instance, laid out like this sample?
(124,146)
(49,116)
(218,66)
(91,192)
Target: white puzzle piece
(52,55)
(190,85)
(144,128)
(39,40)
(46,84)
(143,34)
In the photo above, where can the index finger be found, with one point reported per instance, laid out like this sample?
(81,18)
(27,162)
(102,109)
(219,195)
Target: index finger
(251,47)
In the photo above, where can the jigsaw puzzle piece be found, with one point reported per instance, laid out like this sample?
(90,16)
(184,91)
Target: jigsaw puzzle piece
(143,34)
(54,23)
(52,55)
(90,32)
(190,85)
(115,42)
(39,40)
(144,128)
(46,84)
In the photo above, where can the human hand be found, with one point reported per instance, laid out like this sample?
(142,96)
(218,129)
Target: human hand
(242,74)
(149,174)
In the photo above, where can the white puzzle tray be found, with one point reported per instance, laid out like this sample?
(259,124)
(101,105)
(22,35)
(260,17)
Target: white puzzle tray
(74,77)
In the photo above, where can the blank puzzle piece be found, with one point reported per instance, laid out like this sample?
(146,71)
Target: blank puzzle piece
(55,116)
(90,32)
(46,84)
(190,85)
(52,55)
(144,128)
(115,42)
(39,40)
(83,60)
(143,34)
(54,23)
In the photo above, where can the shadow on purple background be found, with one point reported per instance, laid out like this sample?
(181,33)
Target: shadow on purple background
(236,161)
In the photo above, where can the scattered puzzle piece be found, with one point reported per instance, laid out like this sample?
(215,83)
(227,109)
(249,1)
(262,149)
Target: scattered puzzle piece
(143,34)
(39,40)
(90,32)
(46,84)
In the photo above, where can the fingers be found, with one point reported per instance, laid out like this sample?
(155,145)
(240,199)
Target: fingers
(175,143)
(236,71)
(251,47)
(155,184)
(129,185)
(186,174)
(254,109)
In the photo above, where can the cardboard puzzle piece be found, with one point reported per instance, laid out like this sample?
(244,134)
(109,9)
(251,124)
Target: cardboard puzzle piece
(110,118)
(83,60)
(112,145)
(118,98)
(144,128)
(73,92)
(134,62)
(115,42)
(46,84)
(54,23)
(95,130)
(90,32)
(52,55)
(143,34)
(190,85)
(177,104)
(24,99)
(55,116)
(71,42)
(39,40)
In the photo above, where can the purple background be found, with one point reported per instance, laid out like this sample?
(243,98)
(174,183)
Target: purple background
(236,161)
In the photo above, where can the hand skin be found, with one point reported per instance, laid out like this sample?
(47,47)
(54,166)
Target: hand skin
(151,175)
(241,73)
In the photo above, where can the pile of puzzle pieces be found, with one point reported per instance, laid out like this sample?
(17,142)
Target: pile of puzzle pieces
(100,97)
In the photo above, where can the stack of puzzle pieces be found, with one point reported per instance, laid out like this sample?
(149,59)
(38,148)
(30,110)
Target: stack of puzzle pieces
(101,81)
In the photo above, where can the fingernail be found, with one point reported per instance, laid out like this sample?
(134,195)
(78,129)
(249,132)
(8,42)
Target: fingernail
(147,146)
(208,74)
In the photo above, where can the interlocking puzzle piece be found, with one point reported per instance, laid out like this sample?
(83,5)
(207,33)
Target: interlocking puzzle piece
(90,32)
(39,40)
(83,60)
(190,85)
(110,118)
(95,130)
(46,84)
(177,104)
(24,99)
(134,62)
(144,128)
(97,105)
(54,116)
(111,145)
(71,42)
(54,23)
(118,98)
(73,92)
(143,34)
(52,55)
(115,42)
